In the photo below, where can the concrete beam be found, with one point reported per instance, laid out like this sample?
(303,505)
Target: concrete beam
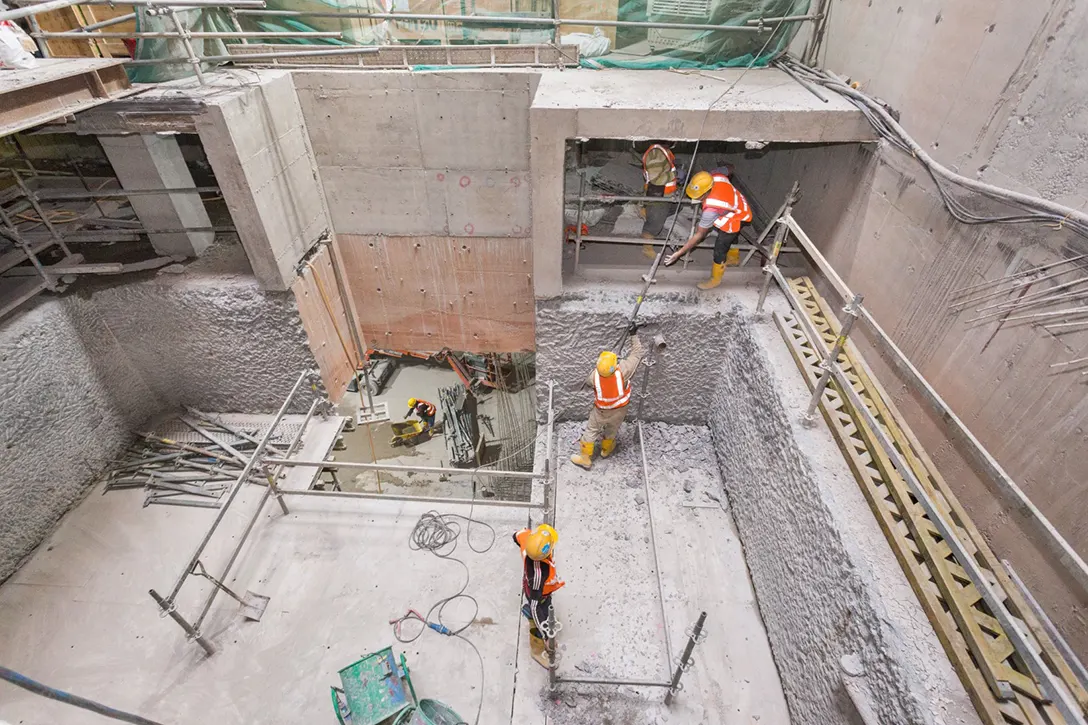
(149,161)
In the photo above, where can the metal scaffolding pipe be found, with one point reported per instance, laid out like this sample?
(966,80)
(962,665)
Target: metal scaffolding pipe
(591,681)
(511,20)
(23,12)
(653,543)
(66,195)
(243,57)
(1055,543)
(229,498)
(107,23)
(414,499)
(784,19)
(39,6)
(192,34)
(412,469)
(646,199)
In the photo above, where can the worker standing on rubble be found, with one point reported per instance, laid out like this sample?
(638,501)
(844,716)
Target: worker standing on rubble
(539,581)
(724,209)
(659,173)
(426,411)
(611,382)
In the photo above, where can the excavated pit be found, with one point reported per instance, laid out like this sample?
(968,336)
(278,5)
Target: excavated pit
(834,605)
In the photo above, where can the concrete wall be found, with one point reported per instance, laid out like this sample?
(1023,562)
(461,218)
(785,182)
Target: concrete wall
(827,583)
(256,141)
(70,398)
(415,163)
(80,373)
(997,91)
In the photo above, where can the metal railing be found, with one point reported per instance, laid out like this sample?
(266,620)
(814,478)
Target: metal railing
(1050,685)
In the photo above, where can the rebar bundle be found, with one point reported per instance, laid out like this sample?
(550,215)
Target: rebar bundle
(459,426)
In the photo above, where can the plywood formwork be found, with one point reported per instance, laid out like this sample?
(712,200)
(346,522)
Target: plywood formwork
(58,87)
(327,322)
(426,293)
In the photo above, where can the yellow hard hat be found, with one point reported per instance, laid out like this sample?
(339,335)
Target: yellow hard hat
(606,364)
(541,543)
(412,402)
(699,184)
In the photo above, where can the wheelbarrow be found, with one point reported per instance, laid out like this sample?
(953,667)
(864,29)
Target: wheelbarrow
(409,433)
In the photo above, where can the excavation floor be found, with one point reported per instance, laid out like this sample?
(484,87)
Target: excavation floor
(613,626)
(78,616)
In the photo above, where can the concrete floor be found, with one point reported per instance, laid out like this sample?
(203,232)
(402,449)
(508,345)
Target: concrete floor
(78,616)
(408,381)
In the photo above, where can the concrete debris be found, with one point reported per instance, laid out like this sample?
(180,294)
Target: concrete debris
(173,269)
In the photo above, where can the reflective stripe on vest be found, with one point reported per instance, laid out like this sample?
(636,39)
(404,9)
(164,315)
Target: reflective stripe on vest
(730,204)
(611,392)
(670,186)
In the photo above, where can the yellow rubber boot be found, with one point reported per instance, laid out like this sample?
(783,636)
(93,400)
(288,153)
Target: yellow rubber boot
(584,459)
(538,648)
(608,445)
(716,273)
(732,258)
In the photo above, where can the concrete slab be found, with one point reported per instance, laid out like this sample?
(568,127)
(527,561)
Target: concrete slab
(396,201)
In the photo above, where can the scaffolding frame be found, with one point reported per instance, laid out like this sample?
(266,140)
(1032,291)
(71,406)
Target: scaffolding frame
(270,468)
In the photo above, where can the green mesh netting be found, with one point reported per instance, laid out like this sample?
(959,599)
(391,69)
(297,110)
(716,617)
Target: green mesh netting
(602,47)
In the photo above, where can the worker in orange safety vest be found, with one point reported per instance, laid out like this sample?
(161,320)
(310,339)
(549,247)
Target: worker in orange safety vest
(611,383)
(539,581)
(659,173)
(724,209)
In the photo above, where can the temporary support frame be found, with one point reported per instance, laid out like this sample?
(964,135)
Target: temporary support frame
(1054,687)
(271,467)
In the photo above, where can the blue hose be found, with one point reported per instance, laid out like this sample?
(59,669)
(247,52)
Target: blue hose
(68,699)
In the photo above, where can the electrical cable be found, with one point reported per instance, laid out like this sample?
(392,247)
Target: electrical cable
(439,534)
(1038,210)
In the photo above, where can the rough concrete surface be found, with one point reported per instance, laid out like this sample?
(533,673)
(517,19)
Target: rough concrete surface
(441,152)
(996,91)
(66,413)
(827,583)
(80,373)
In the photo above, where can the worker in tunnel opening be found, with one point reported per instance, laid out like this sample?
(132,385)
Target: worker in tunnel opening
(611,383)
(539,581)
(659,173)
(724,209)
(426,411)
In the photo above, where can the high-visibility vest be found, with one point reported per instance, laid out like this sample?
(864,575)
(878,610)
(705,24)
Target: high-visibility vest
(534,570)
(730,205)
(611,392)
(670,186)
(425,408)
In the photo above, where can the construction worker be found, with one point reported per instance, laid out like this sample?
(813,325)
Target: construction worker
(539,581)
(426,411)
(611,383)
(659,173)
(724,209)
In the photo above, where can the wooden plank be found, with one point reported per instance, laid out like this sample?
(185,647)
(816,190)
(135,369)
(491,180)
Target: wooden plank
(15,293)
(471,294)
(70,18)
(56,88)
(111,47)
(328,334)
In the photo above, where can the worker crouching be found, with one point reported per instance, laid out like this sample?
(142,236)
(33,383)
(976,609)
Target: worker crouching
(724,209)
(539,582)
(611,383)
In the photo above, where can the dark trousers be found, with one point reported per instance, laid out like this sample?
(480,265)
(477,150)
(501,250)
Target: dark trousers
(656,212)
(723,244)
(428,419)
(543,609)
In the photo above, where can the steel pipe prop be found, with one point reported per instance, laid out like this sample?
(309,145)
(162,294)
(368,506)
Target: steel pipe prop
(365,495)
(191,34)
(254,457)
(513,20)
(1051,689)
(413,469)
(630,683)
(66,195)
(244,57)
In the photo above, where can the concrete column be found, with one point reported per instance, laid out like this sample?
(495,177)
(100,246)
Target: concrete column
(549,129)
(150,161)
